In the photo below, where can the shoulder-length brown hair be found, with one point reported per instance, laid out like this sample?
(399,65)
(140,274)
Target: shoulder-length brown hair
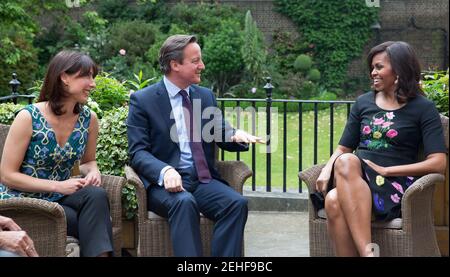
(405,65)
(69,62)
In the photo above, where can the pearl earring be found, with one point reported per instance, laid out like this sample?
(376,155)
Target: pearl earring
(396,80)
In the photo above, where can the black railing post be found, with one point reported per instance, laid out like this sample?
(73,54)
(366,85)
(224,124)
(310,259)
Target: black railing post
(331,128)
(238,124)
(316,127)
(222,108)
(300,142)
(284,144)
(14,83)
(254,146)
(268,87)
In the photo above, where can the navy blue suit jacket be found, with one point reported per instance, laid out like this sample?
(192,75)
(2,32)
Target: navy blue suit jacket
(150,146)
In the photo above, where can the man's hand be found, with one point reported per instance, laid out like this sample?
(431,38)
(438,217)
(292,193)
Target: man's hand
(241,136)
(7,224)
(172,181)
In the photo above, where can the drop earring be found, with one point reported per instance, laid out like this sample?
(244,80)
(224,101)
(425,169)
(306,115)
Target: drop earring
(396,80)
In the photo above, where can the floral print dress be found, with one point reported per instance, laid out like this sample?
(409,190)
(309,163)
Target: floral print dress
(390,138)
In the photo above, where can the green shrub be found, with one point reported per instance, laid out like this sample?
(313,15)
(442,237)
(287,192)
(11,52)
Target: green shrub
(435,86)
(314,75)
(303,62)
(112,153)
(203,19)
(25,64)
(136,37)
(323,96)
(8,112)
(109,93)
(223,57)
(114,10)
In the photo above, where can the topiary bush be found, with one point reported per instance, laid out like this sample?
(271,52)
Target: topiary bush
(314,75)
(303,62)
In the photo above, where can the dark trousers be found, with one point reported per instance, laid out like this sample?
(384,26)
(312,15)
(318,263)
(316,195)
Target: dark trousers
(216,201)
(88,219)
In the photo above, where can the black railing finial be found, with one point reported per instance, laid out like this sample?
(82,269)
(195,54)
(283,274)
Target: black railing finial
(14,83)
(268,87)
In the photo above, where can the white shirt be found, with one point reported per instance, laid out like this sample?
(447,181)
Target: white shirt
(176,101)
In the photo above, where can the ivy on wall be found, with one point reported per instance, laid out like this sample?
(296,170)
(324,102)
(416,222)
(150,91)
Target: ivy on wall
(337,29)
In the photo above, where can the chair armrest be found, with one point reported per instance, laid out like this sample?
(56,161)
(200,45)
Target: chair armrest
(44,222)
(141,193)
(38,206)
(310,175)
(417,202)
(234,172)
(113,186)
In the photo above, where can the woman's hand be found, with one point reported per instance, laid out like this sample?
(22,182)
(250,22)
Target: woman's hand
(379,169)
(70,186)
(93,178)
(8,224)
(322,180)
(18,242)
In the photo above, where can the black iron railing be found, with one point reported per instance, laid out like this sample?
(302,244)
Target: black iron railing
(285,104)
(15,96)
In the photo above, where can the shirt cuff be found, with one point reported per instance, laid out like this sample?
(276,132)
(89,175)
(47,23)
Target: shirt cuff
(161,175)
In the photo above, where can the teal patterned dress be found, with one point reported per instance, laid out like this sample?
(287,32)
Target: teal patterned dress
(45,159)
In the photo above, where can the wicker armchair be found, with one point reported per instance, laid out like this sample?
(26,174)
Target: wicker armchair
(153,230)
(411,235)
(45,221)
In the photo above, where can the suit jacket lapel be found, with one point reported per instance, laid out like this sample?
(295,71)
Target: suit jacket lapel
(164,105)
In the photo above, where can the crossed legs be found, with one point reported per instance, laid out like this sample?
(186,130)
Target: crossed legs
(348,207)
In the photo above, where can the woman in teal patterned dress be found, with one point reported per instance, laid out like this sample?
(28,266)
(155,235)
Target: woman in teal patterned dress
(386,127)
(43,144)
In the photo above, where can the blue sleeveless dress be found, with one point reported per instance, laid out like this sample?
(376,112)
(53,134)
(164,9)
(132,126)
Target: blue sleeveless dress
(45,159)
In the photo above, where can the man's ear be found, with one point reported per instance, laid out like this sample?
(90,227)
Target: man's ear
(174,66)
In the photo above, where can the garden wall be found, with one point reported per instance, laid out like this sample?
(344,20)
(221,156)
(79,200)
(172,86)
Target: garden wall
(428,36)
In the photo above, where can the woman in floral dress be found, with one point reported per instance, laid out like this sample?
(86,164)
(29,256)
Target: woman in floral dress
(386,127)
(44,142)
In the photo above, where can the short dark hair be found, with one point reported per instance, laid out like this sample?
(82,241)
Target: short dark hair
(69,62)
(405,65)
(172,49)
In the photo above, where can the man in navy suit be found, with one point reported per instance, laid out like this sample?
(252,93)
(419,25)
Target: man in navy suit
(172,151)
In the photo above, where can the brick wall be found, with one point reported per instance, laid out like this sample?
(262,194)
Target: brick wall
(426,35)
